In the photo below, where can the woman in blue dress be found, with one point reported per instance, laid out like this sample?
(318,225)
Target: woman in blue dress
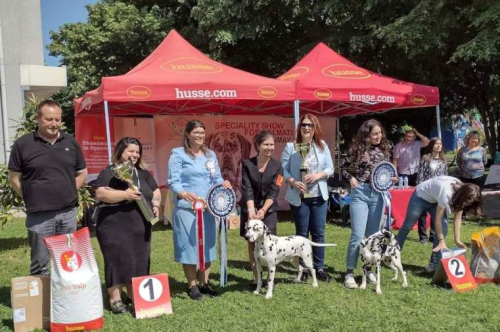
(192,170)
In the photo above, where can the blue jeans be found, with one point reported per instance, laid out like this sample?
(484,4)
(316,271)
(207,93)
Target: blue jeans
(366,214)
(416,207)
(310,217)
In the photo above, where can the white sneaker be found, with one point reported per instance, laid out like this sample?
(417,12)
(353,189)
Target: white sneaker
(349,281)
(372,279)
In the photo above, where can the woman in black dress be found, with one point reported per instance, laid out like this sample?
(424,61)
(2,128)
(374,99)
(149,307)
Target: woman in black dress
(261,177)
(123,233)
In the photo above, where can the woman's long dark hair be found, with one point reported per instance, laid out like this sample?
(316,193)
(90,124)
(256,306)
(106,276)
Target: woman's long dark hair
(361,142)
(318,132)
(190,126)
(467,196)
(122,145)
(428,156)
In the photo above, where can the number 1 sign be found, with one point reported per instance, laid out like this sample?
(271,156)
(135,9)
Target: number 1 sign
(151,296)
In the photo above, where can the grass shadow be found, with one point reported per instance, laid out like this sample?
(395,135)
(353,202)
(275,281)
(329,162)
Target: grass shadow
(13,243)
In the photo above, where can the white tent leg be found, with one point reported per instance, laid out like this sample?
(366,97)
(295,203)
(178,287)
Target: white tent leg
(296,115)
(438,119)
(108,130)
(338,147)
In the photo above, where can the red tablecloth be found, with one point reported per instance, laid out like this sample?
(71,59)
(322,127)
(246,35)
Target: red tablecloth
(400,200)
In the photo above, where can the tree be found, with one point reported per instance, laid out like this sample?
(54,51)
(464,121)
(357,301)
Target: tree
(458,42)
(452,44)
(115,38)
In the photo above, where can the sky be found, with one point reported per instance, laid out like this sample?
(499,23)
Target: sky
(57,12)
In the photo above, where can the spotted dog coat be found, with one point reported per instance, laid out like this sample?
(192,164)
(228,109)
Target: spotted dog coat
(271,250)
(381,247)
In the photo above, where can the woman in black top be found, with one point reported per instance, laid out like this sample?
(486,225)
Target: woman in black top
(261,179)
(123,233)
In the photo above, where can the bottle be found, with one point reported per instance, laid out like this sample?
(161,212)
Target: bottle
(400,183)
(405,182)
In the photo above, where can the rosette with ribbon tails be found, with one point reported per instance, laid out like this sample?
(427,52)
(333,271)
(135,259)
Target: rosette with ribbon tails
(199,206)
(221,202)
(381,180)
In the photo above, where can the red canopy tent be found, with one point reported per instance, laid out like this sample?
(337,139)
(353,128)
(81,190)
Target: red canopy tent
(327,83)
(178,78)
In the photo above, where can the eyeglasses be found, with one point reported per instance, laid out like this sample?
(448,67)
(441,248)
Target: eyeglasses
(307,125)
(199,134)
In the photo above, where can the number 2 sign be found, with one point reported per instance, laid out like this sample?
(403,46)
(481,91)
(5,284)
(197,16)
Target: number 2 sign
(151,296)
(458,272)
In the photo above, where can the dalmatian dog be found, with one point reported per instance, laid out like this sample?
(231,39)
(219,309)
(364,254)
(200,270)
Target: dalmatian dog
(381,247)
(271,250)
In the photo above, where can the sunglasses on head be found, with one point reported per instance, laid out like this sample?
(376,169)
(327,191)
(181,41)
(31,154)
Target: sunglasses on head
(306,125)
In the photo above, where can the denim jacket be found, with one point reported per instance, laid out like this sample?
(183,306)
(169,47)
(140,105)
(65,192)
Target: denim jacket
(291,161)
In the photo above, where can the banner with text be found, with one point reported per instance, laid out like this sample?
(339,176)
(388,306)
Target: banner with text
(231,139)
(90,133)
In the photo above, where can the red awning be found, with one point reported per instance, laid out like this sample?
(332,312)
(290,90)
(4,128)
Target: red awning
(327,83)
(177,78)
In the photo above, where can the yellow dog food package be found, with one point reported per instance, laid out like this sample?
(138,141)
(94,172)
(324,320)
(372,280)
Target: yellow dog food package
(485,261)
(75,288)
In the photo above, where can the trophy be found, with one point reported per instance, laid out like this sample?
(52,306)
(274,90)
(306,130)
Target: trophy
(124,172)
(303,150)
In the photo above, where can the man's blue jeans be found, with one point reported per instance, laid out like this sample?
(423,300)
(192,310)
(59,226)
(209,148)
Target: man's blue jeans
(310,217)
(416,207)
(366,213)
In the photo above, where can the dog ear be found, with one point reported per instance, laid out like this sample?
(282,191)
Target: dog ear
(266,230)
(246,146)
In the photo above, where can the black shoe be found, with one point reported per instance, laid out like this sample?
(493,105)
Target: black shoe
(126,300)
(305,276)
(117,307)
(321,275)
(194,293)
(253,286)
(208,290)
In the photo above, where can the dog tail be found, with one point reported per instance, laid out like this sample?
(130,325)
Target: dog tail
(322,244)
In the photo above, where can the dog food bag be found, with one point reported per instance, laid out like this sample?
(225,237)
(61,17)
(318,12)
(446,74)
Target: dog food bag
(485,259)
(76,297)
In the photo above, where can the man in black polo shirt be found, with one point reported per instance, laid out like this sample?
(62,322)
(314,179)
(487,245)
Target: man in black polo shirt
(45,168)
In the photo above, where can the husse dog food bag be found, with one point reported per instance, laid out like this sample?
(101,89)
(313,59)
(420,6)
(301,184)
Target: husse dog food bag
(76,297)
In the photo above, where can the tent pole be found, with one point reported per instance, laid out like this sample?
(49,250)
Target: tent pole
(108,131)
(296,114)
(338,147)
(438,119)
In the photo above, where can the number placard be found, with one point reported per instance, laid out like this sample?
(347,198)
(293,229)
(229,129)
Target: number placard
(457,271)
(151,296)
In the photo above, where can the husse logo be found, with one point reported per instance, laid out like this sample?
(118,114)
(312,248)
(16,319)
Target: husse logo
(323,94)
(191,66)
(294,73)
(71,261)
(267,91)
(345,72)
(139,92)
(418,99)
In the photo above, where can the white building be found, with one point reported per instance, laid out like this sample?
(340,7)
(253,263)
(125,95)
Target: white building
(22,69)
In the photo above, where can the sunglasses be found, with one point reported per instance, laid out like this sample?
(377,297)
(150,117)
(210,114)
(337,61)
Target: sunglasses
(307,125)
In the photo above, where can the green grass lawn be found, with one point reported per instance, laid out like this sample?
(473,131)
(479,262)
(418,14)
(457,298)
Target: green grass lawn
(294,307)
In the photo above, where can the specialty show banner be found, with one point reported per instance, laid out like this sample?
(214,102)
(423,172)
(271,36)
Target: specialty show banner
(230,137)
(90,133)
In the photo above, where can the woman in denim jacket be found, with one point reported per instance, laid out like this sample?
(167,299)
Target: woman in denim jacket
(309,211)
